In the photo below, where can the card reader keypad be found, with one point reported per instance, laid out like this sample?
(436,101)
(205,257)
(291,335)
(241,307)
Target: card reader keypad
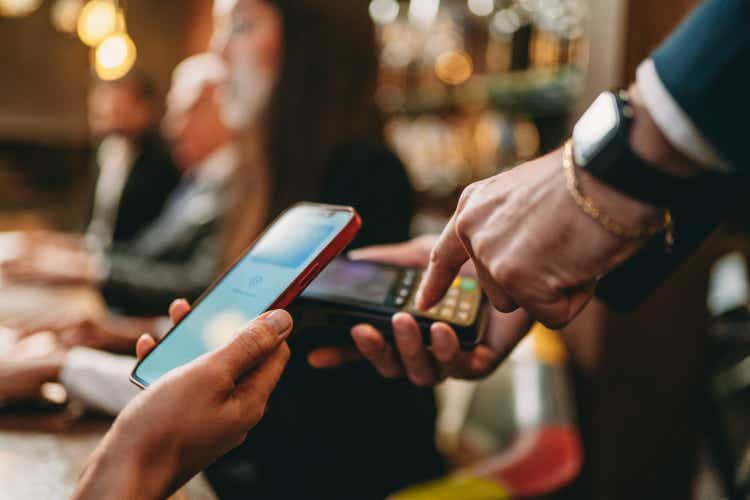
(459,306)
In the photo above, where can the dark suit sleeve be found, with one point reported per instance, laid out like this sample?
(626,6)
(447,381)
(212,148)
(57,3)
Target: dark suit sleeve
(695,219)
(705,66)
(373,180)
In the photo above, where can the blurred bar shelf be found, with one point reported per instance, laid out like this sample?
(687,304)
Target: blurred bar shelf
(533,92)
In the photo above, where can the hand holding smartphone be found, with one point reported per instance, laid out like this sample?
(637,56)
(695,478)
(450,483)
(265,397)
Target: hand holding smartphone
(274,270)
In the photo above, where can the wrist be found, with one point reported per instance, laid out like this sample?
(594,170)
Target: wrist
(123,469)
(628,210)
(621,215)
(650,144)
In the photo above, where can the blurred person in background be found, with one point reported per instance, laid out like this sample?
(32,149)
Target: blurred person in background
(300,95)
(175,255)
(300,98)
(132,169)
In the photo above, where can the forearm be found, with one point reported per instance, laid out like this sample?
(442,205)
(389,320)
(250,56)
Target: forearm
(118,471)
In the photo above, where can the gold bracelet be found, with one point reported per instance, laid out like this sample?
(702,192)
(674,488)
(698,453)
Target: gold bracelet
(611,226)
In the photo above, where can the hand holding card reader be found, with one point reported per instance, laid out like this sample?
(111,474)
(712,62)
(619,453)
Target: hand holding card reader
(349,292)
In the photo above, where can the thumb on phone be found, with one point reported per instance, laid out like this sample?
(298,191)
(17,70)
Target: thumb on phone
(257,340)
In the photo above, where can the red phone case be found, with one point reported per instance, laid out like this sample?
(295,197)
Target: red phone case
(334,248)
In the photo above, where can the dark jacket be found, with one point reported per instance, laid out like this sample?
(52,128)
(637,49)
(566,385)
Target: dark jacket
(705,66)
(152,177)
(177,255)
(342,433)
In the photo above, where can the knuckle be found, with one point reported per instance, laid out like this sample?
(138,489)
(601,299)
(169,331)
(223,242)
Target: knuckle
(466,194)
(249,342)
(257,338)
(508,275)
(435,255)
(463,224)
(554,284)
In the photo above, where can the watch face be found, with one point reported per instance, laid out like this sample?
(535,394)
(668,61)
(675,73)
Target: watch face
(595,129)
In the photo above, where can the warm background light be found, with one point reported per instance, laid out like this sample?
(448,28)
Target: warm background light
(384,11)
(454,67)
(17,8)
(64,14)
(114,57)
(423,12)
(98,20)
(481,7)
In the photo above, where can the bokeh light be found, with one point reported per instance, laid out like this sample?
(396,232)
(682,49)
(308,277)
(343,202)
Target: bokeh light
(423,13)
(98,20)
(481,7)
(454,67)
(384,11)
(18,8)
(65,13)
(506,22)
(114,57)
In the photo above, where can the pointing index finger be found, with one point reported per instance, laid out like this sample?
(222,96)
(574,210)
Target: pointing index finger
(446,260)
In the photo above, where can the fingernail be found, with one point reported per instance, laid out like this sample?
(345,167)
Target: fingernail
(279,320)
(353,255)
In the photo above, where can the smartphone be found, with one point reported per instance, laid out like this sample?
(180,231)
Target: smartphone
(275,269)
(350,292)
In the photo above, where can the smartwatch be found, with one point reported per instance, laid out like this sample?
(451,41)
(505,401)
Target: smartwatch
(601,146)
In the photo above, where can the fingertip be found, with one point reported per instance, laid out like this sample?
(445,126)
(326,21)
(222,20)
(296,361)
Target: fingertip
(367,338)
(178,309)
(317,359)
(280,321)
(426,295)
(144,345)
(403,319)
(354,254)
(444,343)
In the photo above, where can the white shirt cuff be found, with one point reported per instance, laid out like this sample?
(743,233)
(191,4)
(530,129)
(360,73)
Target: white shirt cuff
(99,379)
(673,122)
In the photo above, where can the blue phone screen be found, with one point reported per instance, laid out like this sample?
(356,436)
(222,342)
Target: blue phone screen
(248,289)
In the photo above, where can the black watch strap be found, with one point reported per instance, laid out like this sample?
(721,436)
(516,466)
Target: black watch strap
(638,179)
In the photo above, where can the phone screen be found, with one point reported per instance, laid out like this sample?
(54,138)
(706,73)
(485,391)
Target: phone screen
(345,280)
(254,283)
